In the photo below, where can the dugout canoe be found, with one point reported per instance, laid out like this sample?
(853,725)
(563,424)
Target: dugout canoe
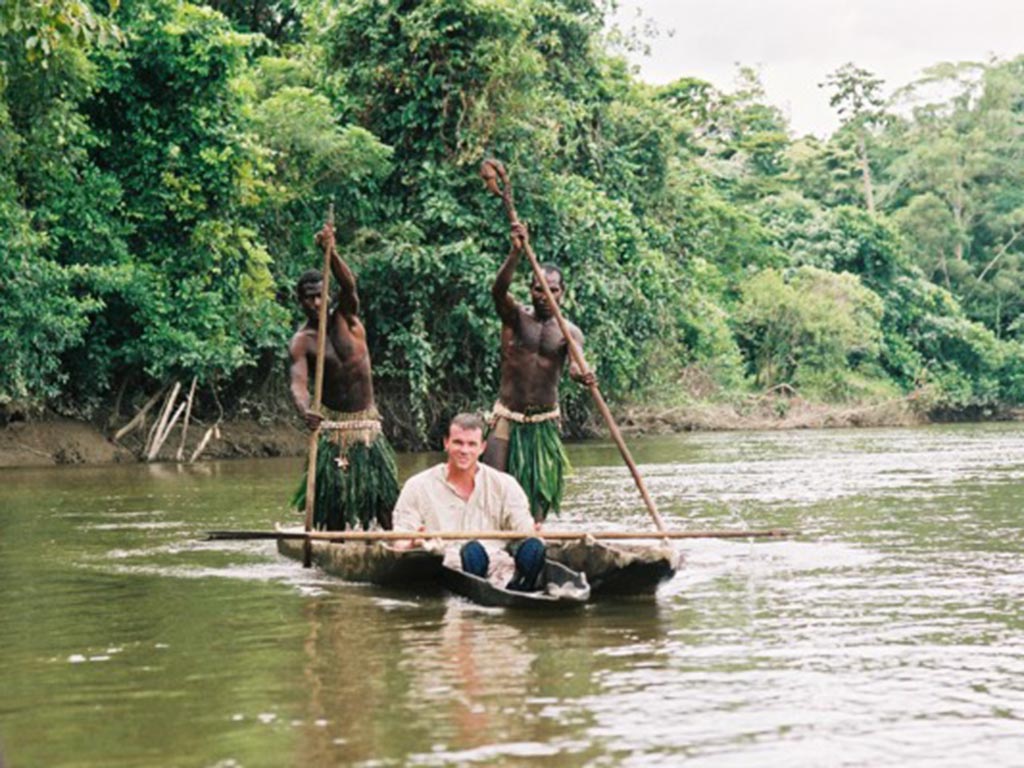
(610,569)
(564,589)
(373,562)
(617,570)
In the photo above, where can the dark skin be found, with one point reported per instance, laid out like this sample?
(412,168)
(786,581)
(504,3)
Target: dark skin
(347,385)
(533,350)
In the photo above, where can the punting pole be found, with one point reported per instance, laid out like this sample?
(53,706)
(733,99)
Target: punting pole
(369,536)
(318,383)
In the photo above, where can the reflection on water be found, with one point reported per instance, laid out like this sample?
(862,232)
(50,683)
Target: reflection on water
(889,634)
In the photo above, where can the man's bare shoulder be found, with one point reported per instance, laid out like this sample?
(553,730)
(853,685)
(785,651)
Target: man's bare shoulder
(302,341)
(526,313)
(352,322)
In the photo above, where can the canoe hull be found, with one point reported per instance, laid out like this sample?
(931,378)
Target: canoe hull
(564,589)
(618,570)
(369,562)
(609,570)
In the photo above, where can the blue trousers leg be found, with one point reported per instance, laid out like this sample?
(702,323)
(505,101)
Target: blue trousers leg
(529,565)
(474,558)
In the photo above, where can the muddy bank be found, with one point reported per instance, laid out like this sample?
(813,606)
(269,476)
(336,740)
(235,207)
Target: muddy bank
(61,441)
(769,413)
(51,443)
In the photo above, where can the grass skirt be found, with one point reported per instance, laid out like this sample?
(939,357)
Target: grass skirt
(354,492)
(538,461)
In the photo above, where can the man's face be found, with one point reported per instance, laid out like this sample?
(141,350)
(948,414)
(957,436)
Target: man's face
(309,299)
(540,303)
(464,447)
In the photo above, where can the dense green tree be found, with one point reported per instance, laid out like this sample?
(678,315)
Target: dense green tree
(53,200)
(310,161)
(169,123)
(38,31)
(956,186)
(278,20)
(816,330)
(163,165)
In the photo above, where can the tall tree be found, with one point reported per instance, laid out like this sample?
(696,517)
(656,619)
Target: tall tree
(857,97)
(956,184)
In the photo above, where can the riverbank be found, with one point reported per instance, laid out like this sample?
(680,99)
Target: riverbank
(771,412)
(56,441)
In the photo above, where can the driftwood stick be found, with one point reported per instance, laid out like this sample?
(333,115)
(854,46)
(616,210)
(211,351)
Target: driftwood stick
(138,418)
(184,425)
(165,413)
(161,438)
(202,444)
(152,430)
(337,536)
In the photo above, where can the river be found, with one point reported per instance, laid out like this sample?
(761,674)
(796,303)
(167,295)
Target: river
(890,632)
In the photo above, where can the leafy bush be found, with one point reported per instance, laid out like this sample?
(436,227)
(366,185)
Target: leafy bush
(810,330)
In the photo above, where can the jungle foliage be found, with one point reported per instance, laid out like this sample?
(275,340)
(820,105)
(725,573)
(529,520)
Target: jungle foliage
(164,164)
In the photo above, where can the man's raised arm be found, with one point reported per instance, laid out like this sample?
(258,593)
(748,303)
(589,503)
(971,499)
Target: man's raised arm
(348,298)
(503,301)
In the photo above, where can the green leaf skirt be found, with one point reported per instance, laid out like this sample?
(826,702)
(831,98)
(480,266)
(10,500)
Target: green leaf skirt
(355,485)
(537,459)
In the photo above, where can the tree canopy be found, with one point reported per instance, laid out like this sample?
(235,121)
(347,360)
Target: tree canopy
(164,164)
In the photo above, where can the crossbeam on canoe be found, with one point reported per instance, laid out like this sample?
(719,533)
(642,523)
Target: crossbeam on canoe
(338,536)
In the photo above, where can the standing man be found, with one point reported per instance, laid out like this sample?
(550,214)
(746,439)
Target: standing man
(524,438)
(356,475)
(464,495)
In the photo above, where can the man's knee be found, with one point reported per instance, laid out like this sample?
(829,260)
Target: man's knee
(530,559)
(474,558)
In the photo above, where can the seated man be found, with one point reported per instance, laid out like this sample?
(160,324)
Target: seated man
(464,495)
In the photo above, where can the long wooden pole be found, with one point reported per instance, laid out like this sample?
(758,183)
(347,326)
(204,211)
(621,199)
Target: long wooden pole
(491,171)
(318,380)
(337,536)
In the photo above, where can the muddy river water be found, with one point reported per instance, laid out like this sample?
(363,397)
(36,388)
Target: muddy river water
(890,632)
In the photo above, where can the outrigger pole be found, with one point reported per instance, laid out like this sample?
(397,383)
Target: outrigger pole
(318,384)
(492,171)
(338,536)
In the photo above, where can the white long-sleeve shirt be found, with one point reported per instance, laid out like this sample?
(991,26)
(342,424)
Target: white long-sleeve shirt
(497,503)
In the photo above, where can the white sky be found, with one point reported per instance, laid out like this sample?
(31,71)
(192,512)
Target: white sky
(796,43)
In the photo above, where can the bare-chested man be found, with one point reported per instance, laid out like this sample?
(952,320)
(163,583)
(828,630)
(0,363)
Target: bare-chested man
(524,439)
(356,476)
